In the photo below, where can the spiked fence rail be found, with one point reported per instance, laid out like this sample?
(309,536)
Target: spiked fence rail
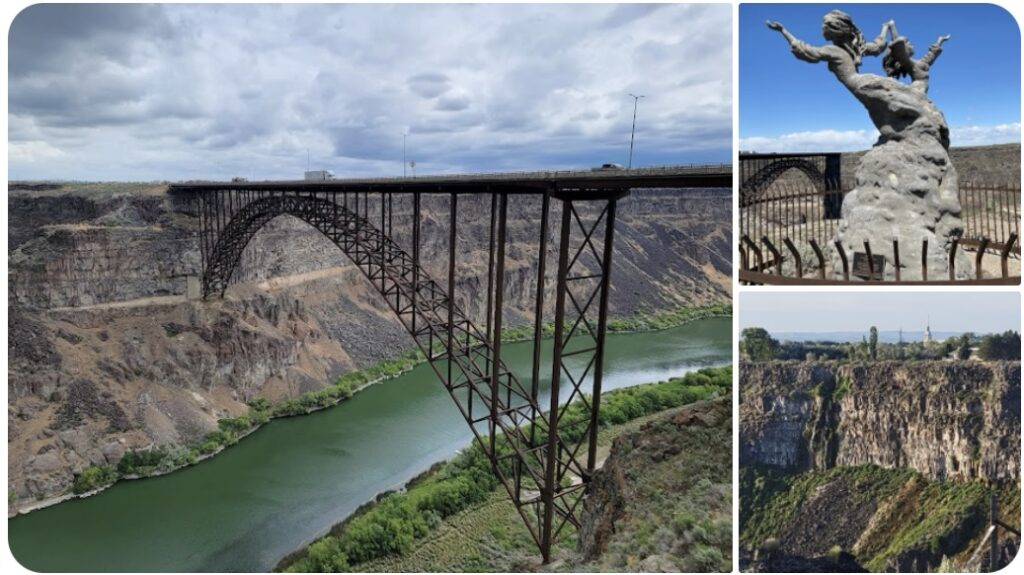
(767,266)
(802,213)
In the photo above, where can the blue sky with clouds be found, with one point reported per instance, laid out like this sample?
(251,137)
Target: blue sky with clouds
(142,92)
(787,105)
(979,312)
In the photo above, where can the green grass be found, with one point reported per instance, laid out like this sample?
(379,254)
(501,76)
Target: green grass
(639,321)
(842,388)
(912,512)
(771,498)
(938,510)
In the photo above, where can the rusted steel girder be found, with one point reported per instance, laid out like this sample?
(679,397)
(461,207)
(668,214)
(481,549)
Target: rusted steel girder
(544,470)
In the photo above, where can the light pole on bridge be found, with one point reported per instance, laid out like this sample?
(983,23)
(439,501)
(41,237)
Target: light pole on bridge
(403,154)
(636,100)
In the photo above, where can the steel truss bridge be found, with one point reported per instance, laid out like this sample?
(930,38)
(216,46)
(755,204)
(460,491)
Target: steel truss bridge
(544,459)
(759,171)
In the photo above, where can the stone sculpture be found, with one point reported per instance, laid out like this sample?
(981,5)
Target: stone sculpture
(906,185)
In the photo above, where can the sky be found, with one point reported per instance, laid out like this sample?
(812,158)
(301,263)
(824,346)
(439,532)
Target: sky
(174,92)
(789,105)
(978,312)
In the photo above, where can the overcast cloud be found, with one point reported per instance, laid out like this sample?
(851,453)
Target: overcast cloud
(206,91)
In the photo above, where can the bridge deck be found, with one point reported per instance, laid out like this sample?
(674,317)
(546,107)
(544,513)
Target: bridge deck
(691,176)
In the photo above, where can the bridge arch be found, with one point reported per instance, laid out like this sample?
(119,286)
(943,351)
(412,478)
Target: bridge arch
(226,253)
(754,187)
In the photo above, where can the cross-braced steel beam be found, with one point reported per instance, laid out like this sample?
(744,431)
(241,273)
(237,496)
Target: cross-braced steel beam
(544,459)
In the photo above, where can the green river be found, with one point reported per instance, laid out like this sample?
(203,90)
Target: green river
(290,481)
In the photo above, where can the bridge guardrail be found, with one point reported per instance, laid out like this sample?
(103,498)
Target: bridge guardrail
(672,170)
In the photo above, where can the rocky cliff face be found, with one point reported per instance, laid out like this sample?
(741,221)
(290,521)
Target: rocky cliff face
(944,419)
(106,353)
(662,500)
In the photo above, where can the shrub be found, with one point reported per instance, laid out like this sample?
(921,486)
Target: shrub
(94,477)
(326,556)
(234,425)
(705,558)
(258,417)
(209,447)
(389,528)
(260,404)
(833,553)
(141,462)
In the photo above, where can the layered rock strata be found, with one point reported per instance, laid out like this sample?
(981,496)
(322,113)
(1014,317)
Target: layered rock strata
(945,419)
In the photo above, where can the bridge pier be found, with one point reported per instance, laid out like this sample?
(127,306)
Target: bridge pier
(193,288)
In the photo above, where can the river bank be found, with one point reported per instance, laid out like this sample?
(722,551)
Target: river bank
(289,482)
(163,460)
(391,525)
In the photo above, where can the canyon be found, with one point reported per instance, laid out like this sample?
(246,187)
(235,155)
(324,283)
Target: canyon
(946,420)
(108,353)
(879,466)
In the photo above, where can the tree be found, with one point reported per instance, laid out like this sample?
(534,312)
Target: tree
(757,344)
(326,556)
(873,343)
(996,346)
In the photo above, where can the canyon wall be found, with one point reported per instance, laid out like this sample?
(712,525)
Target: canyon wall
(945,419)
(997,164)
(107,353)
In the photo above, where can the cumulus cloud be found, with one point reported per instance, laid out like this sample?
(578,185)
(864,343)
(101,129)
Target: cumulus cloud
(855,140)
(983,135)
(33,151)
(812,141)
(184,91)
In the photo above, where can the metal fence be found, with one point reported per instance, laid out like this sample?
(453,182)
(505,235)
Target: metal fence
(763,262)
(801,212)
(805,212)
(990,211)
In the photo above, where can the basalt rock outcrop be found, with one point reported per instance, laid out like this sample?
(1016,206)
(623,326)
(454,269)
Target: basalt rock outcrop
(661,502)
(944,419)
(890,464)
(107,353)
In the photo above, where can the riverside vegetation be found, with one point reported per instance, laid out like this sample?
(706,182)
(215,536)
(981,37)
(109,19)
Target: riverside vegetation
(398,522)
(159,460)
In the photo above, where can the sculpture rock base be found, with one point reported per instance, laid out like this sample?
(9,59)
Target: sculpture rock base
(906,190)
